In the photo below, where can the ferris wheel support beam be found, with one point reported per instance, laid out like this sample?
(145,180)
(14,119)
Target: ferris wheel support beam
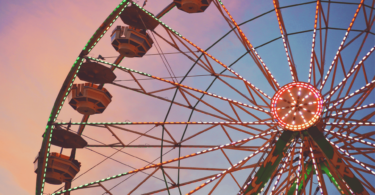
(361,65)
(207,54)
(208,67)
(335,60)
(309,172)
(249,47)
(180,86)
(284,36)
(336,165)
(318,5)
(203,65)
(270,164)
(166,10)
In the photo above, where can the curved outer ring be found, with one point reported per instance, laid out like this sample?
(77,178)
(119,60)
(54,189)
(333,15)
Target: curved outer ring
(64,91)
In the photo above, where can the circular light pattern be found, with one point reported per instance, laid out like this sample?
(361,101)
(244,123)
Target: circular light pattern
(297,106)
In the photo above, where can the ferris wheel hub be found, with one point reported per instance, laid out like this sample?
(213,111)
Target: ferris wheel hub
(297,106)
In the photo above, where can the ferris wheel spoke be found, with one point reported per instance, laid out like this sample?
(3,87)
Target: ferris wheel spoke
(363,180)
(112,154)
(239,147)
(199,179)
(231,168)
(144,180)
(204,65)
(257,183)
(350,137)
(357,123)
(253,53)
(234,128)
(350,73)
(364,121)
(205,53)
(286,44)
(217,183)
(211,106)
(208,67)
(230,101)
(367,30)
(179,85)
(174,102)
(284,185)
(299,169)
(351,131)
(360,99)
(318,5)
(141,134)
(165,123)
(178,159)
(347,110)
(365,89)
(252,100)
(290,168)
(288,181)
(110,158)
(251,114)
(357,102)
(336,164)
(358,170)
(106,125)
(181,184)
(352,157)
(334,62)
(282,169)
(318,62)
(348,142)
(246,82)
(317,173)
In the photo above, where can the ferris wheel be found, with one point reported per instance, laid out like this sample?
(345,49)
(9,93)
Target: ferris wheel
(247,113)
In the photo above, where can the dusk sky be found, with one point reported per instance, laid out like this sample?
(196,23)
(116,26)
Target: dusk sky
(40,40)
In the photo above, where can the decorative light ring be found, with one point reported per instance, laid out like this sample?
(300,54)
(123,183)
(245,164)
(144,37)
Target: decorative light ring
(297,106)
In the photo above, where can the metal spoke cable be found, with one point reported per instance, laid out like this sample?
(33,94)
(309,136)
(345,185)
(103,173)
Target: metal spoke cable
(165,61)
(117,149)
(144,3)
(200,75)
(122,163)
(137,172)
(105,158)
(161,51)
(154,54)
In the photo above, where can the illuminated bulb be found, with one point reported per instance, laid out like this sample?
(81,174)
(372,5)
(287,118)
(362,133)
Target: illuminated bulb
(287,94)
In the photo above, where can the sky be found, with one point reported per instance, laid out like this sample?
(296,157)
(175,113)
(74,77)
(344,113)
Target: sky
(41,39)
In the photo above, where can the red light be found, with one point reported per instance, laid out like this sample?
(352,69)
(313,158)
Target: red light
(291,109)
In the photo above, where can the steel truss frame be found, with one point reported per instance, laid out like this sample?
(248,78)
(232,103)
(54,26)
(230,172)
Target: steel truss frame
(346,180)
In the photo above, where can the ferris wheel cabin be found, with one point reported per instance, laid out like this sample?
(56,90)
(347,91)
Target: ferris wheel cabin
(192,6)
(93,72)
(89,99)
(130,41)
(59,169)
(135,17)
